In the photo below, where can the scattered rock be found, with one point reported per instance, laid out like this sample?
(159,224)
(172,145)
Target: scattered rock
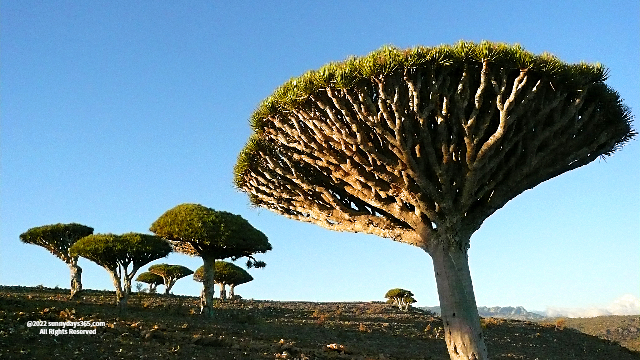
(284,355)
(209,341)
(137,325)
(339,348)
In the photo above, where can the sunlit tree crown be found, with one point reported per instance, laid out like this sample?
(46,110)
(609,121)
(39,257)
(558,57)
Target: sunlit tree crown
(401,142)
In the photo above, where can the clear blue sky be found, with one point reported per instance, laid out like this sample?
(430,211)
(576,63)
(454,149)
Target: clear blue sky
(114,112)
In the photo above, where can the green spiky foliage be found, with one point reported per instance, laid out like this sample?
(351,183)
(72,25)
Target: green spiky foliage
(197,230)
(400,297)
(122,256)
(422,145)
(152,279)
(226,273)
(58,238)
(231,274)
(170,274)
(348,108)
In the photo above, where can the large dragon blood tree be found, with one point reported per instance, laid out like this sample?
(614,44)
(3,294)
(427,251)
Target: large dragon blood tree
(422,145)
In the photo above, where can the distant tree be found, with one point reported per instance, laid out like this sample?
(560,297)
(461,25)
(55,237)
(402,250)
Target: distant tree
(199,277)
(58,238)
(213,235)
(152,279)
(422,145)
(400,297)
(170,274)
(226,273)
(233,276)
(116,253)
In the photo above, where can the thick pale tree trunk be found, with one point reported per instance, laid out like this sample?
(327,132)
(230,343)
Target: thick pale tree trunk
(206,307)
(76,276)
(168,285)
(121,296)
(231,291)
(128,278)
(223,293)
(127,285)
(463,333)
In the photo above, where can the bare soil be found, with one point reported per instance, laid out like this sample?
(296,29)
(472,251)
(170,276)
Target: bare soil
(169,327)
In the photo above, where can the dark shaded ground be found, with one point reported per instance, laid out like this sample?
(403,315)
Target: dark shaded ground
(624,330)
(168,327)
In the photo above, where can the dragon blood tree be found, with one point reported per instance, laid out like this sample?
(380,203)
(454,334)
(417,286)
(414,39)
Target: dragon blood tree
(422,145)
(122,256)
(58,238)
(197,230)
(400,297)
(226,273)
(152,279)
(233,276)
(170,274)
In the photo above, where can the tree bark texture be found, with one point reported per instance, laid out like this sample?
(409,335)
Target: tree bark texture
(168,284)
(223,293)
(127,284)
(459,311)
(76,276)
(128,276)
(121,296)
(208,286)
(408,151)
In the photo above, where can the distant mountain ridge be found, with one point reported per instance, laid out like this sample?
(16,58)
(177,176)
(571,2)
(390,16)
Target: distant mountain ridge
(506,312)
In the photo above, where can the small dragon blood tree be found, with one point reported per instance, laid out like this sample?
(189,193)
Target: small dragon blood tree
(152,279)
(58,238)
(122,256)
(196,230)
(400,297)
(226,273)
(169,274)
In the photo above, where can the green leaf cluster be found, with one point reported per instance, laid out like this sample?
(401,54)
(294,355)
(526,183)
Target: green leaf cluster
(249,157)
(225,273)
(170,271)
(210,233)
(399,296)
(111,251)
(389,59)
(150,278)
(56,238)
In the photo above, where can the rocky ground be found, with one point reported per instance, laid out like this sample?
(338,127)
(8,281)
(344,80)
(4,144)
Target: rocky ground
(624,330)
(169,327)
